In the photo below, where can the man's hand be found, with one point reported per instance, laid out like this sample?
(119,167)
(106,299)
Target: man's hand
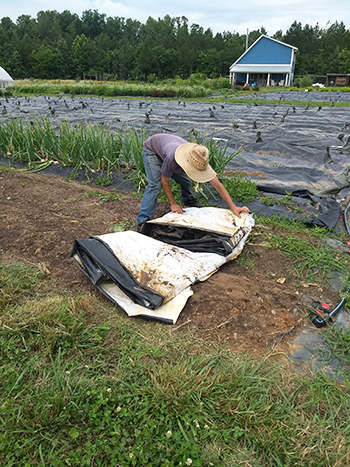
(237,210)
(167,190)
(176,208)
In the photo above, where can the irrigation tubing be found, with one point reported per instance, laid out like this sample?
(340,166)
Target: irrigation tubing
(320,322)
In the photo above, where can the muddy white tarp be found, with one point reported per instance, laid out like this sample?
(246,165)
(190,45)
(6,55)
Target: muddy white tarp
(153,278)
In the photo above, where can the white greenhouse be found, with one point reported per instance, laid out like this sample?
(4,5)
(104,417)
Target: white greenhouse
(5,79)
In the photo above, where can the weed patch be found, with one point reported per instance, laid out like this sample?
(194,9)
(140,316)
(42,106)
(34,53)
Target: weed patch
(312,259)
(240,189)
(103,197)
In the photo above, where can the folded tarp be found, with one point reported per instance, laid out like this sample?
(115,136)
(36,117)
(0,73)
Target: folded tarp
(208,230)
(148,277)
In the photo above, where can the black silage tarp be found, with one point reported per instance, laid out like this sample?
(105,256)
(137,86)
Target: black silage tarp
(100,264)
(191,239)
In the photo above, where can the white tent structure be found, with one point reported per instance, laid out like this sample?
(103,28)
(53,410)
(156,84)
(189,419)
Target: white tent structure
(5,79)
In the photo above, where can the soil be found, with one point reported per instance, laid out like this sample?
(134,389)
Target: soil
(252,303)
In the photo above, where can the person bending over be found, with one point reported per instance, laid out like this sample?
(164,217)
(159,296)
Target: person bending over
(169,156)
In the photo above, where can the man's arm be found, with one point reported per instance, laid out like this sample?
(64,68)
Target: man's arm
(219,187)
(168,193)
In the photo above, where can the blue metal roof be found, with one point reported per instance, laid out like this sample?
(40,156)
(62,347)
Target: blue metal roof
(266,54)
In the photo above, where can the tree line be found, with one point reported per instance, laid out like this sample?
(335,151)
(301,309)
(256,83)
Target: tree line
(65,46)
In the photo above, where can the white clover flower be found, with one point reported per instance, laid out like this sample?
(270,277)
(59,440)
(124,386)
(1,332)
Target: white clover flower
(131,455)
(67,372)
(196,423)
(189,461)
(109,390)
(119,409)
(206,427)
(168,434)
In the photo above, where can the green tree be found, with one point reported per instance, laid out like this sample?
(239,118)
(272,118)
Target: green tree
(15,66)
(307,39)
(48,28)
(47,63)
(80,55)
(209,63)
(234,48)
(93,23)
(344,61)
(334,40)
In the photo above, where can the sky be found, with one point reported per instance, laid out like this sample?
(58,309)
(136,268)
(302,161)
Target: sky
(219,15)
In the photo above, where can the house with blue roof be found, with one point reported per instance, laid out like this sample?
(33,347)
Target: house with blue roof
(268,62)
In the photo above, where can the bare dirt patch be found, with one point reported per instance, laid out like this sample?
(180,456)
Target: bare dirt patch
(247,302)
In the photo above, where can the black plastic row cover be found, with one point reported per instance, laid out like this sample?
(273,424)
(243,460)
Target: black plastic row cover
(195,240)
(329,209)
(100,264)
(322,212)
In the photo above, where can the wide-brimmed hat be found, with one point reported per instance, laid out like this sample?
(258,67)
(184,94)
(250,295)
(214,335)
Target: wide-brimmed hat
(194,160)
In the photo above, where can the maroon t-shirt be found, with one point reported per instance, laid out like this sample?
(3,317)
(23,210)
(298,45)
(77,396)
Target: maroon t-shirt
(165,145)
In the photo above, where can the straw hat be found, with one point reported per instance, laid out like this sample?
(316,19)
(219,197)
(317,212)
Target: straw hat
(194,160)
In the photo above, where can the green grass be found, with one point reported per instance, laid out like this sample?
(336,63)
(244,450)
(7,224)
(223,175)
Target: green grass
(240,189)
(119,391)
(310,257)
(294,225)
(338,343)
(17,281)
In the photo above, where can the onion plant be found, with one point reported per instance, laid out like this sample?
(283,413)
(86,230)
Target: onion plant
(219,153)
(133,145)
(92,147)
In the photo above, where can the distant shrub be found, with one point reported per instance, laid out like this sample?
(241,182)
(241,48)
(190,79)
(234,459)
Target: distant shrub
(82,89)
(170,82)
(6,92)
(220,83)
(191,91)
(345,89)
(35,89)
(197,77)
(109,91)
(162,93)
(306,81)
(152,78)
